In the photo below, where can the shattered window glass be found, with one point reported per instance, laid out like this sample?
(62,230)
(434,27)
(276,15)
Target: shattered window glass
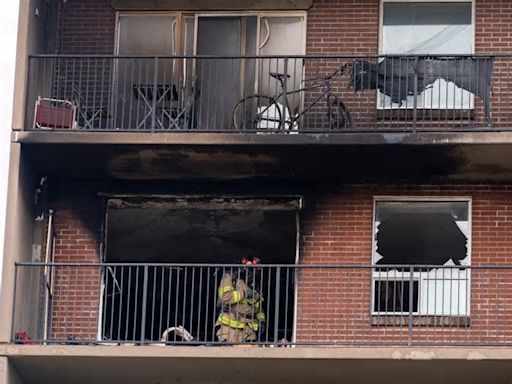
(417,241)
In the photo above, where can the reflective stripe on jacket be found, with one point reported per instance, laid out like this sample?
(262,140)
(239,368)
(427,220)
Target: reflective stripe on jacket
(228,320)
(242,310)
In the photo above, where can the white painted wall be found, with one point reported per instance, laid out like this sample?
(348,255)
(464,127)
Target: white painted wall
(8,29)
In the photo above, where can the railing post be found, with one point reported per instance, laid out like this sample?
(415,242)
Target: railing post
(155,94)
(144,305)
(411,302)
(276,308)
(415,102)
(28,94)
(285,95)
(13,331)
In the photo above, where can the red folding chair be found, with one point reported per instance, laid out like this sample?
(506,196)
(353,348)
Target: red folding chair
(54,114)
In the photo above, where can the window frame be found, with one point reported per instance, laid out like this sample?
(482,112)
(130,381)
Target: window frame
(381,17)
(379,96)
(393,275)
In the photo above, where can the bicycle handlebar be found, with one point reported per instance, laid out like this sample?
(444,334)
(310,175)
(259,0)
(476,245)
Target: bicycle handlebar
(338,72)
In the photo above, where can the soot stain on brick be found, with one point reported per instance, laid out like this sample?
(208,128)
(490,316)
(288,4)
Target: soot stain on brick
(360,163)
(168,164)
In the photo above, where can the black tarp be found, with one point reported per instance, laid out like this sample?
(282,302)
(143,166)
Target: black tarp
(428,238)
(395,76)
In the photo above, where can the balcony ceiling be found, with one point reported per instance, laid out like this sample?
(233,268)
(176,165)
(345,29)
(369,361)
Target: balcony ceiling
(343,158)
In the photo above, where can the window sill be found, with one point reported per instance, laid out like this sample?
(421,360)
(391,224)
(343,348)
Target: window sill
(421,321)
(403,113)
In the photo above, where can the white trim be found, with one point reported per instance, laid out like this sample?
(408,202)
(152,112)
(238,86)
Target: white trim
(417,276)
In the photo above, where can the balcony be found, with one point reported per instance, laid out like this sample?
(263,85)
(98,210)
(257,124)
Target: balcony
(303,305)
(283,95)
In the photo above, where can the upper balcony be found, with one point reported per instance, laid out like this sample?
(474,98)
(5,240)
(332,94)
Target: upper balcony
(268,94)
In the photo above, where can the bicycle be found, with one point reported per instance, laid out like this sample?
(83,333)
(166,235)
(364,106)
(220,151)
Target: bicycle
(261,112)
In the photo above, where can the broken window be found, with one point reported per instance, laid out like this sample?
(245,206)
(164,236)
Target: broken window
(428,28)
(180,247)
(416,242)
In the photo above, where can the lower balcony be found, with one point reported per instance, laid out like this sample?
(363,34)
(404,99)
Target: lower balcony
(280,305)
(268,94)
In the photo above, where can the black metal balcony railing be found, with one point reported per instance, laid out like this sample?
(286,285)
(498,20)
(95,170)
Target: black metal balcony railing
(280,94)
(300,304)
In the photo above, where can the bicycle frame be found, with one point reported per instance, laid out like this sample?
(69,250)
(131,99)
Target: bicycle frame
(295,117)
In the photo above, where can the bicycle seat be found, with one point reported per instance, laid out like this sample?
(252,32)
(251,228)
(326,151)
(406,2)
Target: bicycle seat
(278,76)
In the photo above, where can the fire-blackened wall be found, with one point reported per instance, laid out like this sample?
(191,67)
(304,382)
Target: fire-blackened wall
(337,229)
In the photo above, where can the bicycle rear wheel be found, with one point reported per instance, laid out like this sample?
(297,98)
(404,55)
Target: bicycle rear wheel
(257,113)
(338,115)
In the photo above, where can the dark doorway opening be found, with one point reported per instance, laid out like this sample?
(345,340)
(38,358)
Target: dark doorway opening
(181,248)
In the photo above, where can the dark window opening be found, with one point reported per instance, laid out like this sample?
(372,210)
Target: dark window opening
(142,301)
(427,233)
(394,296)
(424,241)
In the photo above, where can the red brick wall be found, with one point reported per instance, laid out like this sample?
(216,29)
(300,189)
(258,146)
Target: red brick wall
(86,27)
(343,27)
(76,294)
(335,305)
(334,27)
(493,22)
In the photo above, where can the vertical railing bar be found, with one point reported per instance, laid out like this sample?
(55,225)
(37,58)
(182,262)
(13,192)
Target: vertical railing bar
(268,299)
(411,295)
(415,100)
(120,304)
(268,303)
(443,280)
(207,305)
(128,303)
(112,303)
(144,305)
(176,305)
(215,302)
(427,311)
(193,278)
(105,303)
(169,290)
(285,96)
(153,303)
(155,94)
(276,307)
(199,304)
(286,304)
(135,307)
(161,304)
(184,313)
(13,314)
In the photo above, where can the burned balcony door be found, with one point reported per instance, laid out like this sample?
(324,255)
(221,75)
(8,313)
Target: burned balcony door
(222,79)
(146,87)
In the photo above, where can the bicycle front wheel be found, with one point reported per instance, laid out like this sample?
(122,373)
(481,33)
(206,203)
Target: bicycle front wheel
(257,113)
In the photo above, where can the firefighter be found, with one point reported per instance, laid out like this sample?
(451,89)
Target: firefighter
(241,318)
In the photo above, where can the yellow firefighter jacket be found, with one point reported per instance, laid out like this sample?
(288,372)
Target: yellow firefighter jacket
(240,317)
